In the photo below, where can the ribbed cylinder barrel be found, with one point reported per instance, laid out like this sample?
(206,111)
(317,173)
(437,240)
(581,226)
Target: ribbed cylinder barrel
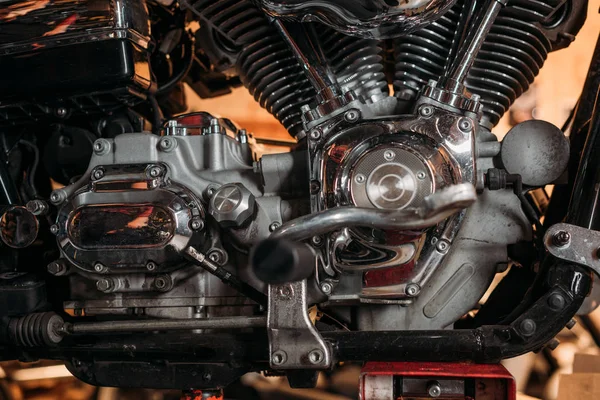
(357,64)
(265,64)
(511,57)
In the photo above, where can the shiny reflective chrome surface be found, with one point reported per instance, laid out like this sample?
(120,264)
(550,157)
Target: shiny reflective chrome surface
(365,18)
(130,216)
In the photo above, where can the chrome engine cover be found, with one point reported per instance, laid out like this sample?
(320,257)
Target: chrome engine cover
(364,18)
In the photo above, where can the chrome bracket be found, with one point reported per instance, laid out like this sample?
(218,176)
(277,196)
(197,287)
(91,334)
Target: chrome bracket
(294,342)
(574,244)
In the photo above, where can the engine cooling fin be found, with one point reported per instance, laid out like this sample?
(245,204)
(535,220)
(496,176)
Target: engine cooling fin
(357,64)
(264,63)
(512,54)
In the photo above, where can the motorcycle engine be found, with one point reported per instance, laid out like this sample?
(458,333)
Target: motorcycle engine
(391,210)
(124,228)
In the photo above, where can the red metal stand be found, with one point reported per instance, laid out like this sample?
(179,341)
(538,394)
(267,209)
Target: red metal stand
(427,380)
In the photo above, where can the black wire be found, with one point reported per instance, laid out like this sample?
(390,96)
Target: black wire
(189,62)
(157,115)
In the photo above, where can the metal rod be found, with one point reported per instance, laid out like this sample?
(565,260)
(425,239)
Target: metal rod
(438,207)
(80,328)
(306,48)
(468,52)
(226,277)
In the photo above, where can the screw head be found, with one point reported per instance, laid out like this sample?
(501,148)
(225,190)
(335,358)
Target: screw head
(434,389)
(167,144)
(317,240)
(274,226)
(61,112)
(412,289)
(561,238)
(326,287)
(352,116)
(421,175)
(54,229)
(442,246)
(315,187)
(196,224)
(98,174)
(162,283)
(315,134)
(465,125)
(556,302)
(432,83)
(103,285)
(56,268)
(57,197)
(316,356)
(101,147)
(389,155)
(426,111)
(98,267)
(279,357)
(285,292)
(360,178)
(215,256)
(150,266)
(527,327)
(155,171)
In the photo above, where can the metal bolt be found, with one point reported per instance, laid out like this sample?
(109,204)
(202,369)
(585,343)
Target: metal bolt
(57,197)
(316,356)
(211,190)
(305,108)
(556,302)
(101,147)
(98,267)
(352,116)
(315,134)
(475,97)
(434,389)
(317,240)
(98,174)
(103,285)
(285,292)
(389,155)
(527,327)
(274,226)
(161,283)
(206,376)
(360,178)
(442,246)
(215,256)
(167,144)
(421,175)
(561,238)
(412,289)
(315,187)
(279,357)
(37,207)
(465,125)
(426,111)
(196,224)
(57,268)
(155,171)
(150,266)
(553,344)
(54,229)
(61,112)
(432,83)
(326,287)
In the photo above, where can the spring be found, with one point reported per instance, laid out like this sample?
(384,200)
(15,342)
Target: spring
(511,57)
(357,63)
(265,64)
(35,330)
